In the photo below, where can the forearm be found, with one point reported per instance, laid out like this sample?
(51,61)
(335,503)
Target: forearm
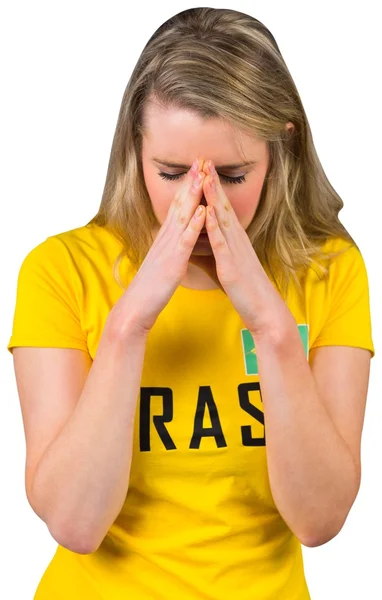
(312,473)
(82,479)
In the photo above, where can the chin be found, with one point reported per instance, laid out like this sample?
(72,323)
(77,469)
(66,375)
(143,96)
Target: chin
(202,251)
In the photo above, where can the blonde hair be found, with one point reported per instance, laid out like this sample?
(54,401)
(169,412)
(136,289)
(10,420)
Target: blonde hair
(221,63)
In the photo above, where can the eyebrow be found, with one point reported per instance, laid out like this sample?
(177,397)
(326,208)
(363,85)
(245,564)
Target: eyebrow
(173,165)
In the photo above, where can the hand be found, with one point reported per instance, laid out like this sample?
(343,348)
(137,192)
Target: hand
(165,264)
(235,265)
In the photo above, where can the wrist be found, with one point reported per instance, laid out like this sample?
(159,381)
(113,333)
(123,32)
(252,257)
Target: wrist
(119,328)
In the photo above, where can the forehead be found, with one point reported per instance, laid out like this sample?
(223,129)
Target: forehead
(178,134)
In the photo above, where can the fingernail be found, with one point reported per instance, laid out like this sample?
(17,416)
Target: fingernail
(212,168)
(197,180)
(195,165)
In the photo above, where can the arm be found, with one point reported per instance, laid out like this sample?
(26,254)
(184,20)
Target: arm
(313,476)
(313,422)
(81,481)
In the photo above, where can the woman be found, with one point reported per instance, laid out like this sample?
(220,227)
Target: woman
(189,401)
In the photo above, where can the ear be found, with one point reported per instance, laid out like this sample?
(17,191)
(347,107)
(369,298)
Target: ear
(289,126)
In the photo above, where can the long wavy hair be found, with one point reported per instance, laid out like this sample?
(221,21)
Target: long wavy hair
(221,63)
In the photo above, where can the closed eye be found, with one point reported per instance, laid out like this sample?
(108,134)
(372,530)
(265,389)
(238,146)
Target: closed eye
(170,177)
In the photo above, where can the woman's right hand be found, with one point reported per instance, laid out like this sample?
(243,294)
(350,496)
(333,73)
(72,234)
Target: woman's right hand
(166,262)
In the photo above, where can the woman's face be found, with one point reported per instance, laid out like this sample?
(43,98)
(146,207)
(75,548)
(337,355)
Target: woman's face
(178,137)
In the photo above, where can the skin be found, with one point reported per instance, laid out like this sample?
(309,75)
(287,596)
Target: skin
(180,136)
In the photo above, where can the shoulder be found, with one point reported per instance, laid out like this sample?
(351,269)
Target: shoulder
(347,256)
(89,236)
(337,244)
(86,242)
(342,255)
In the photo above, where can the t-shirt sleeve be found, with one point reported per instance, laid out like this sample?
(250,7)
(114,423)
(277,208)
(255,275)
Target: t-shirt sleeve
(348,322)
(47,300)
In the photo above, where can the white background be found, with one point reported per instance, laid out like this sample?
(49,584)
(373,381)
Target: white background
(64,68)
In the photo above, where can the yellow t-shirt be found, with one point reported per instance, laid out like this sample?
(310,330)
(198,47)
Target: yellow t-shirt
(199,521)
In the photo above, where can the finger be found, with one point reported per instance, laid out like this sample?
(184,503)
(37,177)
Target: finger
(186,199)
(190,235)
(218,242)
(181,209)
(217,198)
(224,213)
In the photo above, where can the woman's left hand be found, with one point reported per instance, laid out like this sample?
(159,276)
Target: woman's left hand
(238,271)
